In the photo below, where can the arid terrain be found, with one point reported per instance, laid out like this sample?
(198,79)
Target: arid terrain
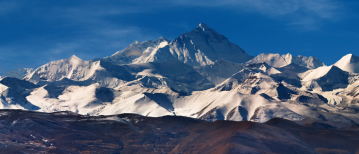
(67,132)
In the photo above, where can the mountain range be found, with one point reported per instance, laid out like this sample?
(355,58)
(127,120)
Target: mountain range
(200,74)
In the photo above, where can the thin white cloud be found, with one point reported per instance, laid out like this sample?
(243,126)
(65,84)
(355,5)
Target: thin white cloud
(99,9)
(322,8)
(61,48)
(99,43)
(298,12)
(305,13)
(97,37)
(116,32)
(8,7)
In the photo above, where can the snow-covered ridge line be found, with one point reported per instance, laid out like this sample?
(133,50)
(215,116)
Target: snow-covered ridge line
(200,74)
(349,63)
(277,60)
(20,73)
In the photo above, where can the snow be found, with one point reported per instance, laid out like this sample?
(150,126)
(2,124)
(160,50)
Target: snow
(308,62)
(199,47)
(203,46)
(72,99)
(274,60)
(219,71)
(200,74)
(316,73)
(173,73)
(204,26)
(136,103)
(112,118)
(76,69)
(326,78)
(138,52)
(277,60)
(349,63)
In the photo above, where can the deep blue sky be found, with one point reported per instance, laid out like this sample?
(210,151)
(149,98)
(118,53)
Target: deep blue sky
(35,32)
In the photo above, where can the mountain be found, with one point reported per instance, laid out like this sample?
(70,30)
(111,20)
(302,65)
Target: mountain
(276,60)
(219,71)
(199,47)
(326,78)
(156,88)
(84,72)
(293,68)
(308,62)
(138,52)
(87,87)
(174,74)
(203,46)
(349,63)
(353,93)
(21,73)
(235,81)
(13,94)
(199,93)
(199,75)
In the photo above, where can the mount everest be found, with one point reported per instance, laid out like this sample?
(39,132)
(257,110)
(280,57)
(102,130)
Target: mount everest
(199,47)
(200,74)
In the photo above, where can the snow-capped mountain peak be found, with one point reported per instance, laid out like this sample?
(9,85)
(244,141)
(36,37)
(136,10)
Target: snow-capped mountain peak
(318,73)
(75,60)
(326,78)
(79,72)
(137,51)
(74,57)
(203,30)
(275,60)
(199,47)
(203,46)
(204,27)
(308,62)
(349,63)
(134,42)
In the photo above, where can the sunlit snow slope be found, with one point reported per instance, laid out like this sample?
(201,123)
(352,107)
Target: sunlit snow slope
(200,74)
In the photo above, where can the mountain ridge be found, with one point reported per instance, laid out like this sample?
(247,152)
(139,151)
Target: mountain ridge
(200,74)
(209,47)
(349,63)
